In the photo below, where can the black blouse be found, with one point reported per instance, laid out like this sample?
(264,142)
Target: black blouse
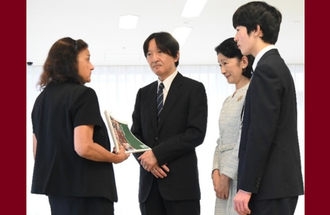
(58,169)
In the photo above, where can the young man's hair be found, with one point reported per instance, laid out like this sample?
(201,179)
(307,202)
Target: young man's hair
(260,13)
(165,42)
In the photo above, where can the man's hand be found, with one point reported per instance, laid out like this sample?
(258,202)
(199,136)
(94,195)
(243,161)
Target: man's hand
(241,201)
(148,160)
(160,172)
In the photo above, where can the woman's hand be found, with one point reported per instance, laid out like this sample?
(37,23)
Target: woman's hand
(221,185)
(121,155)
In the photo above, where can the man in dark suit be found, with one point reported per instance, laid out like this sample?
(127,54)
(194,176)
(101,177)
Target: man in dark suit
(269,172)
(169,183)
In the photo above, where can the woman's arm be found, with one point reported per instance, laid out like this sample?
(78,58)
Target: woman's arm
(86,148)
(34,146)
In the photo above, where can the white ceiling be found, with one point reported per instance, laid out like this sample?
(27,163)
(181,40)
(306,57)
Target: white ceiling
(96,22)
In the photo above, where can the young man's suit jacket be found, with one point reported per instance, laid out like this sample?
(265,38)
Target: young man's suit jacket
(269,158)
(173,139)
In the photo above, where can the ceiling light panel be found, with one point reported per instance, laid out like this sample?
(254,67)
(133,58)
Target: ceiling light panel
(193,8)
(181,34)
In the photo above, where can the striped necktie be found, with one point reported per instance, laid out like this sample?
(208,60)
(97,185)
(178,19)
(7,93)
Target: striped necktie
(160,98)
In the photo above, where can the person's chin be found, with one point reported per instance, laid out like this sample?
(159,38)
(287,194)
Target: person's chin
(157,70)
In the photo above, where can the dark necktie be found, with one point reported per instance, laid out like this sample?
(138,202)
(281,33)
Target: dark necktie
(160,98)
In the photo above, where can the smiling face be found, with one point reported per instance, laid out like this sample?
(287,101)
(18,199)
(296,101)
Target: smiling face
(85,67)
(232,69)
(161,63)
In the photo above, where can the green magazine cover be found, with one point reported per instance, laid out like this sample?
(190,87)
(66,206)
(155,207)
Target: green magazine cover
(122,135)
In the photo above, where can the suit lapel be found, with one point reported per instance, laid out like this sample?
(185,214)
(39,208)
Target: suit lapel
(152,105)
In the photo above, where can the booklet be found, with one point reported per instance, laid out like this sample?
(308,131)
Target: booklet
(122,135)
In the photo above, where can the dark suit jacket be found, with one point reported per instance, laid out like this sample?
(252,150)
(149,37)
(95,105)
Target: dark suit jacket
(269,158)
(181,129)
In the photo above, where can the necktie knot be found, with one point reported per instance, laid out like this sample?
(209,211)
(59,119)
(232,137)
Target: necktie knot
(161,86)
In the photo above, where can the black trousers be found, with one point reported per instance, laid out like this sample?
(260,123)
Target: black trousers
(69,205)
(284,206)
(156,205)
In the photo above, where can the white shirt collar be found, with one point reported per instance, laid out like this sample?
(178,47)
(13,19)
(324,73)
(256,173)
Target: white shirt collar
(168,81)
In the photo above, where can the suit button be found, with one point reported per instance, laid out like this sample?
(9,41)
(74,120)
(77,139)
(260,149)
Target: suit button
(156,138)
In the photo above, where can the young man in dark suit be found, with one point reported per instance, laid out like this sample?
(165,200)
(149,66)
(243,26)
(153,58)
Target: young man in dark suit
(169,183)
(269,172)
